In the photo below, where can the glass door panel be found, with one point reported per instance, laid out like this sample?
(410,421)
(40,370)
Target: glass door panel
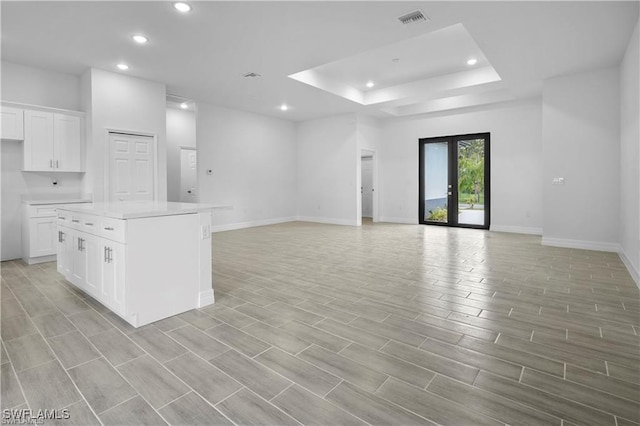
(471,187)
(436,182)
(454,181)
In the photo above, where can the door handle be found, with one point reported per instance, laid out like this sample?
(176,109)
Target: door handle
(57,166)
(106,258)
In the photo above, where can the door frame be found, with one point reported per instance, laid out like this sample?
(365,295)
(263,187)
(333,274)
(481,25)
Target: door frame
(453,178)
(107,157)
(190,148)
(374,162)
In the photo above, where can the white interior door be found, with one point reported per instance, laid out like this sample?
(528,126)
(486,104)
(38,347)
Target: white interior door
(131,167)
(367,186)
(188,175)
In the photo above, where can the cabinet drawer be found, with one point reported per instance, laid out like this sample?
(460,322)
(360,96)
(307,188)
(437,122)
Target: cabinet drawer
(113,229)
(46,210)
(64,218)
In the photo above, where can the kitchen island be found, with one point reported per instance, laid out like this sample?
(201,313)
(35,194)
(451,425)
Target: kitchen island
(143,260)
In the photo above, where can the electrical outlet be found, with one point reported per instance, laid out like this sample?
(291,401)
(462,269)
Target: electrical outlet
(206,232)
(558,181)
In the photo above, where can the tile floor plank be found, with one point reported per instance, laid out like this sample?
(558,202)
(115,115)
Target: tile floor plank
(298,371)
(211,383)
(101,385)
(252,374)
(371,408)
(544,401)
(190,409)
(246,408)
(344,368)
(311,410)
(431,406)
(154,383)
(238,340)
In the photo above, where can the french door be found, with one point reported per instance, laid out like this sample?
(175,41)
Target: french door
(454,181)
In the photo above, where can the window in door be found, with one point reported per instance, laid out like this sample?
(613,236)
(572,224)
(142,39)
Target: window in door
(454,181)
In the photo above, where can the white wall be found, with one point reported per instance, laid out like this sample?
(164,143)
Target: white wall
(36,87)
(630,156)
(181,132)
(581,142)
(253,159)
(516,162)
(120,102)
(329,170)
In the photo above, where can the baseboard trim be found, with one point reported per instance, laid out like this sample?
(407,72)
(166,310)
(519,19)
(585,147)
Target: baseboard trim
(328,221)
(580,244)
(206,298)
(403,220)
(252,224)
(635,274)
(516,229)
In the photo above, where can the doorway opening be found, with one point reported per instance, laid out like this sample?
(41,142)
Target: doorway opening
(188,175)
(368,200)
(454,173)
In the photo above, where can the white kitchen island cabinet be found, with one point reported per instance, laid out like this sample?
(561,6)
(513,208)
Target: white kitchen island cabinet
(145,261)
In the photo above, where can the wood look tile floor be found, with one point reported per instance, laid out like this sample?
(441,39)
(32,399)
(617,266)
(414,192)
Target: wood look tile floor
(333,325)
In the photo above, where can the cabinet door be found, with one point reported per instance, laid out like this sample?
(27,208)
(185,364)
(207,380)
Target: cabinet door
(42,236)
(79,269)
(94,264)
(12,123)
(67,143)
(38,141)
(65,253)
(113,276)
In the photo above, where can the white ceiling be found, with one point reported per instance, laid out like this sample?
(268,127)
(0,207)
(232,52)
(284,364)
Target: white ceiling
(203,54)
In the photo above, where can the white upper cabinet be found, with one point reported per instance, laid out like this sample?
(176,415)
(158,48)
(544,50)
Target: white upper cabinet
(52,142)
(67,142)
(11,123)
(38,141)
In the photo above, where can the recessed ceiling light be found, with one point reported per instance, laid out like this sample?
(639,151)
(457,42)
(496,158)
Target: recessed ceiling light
(284,107)
(184,105)
(182,7)
(138,38)
(123,67)
(370,84)
(472,61)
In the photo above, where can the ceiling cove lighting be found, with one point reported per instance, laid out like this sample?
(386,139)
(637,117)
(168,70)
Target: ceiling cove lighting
(370,84)
(140,39)
(123,67)
(284,107)
(182,7)
(472,61)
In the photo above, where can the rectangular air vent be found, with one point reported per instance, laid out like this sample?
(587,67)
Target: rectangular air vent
(413,17)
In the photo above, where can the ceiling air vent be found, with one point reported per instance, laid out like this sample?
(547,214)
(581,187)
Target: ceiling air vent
(413,17)
(251,75)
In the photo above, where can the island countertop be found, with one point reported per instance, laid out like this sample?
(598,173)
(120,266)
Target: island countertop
(137,209)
